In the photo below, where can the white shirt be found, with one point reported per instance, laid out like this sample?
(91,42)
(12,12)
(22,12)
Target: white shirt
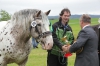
(86,26)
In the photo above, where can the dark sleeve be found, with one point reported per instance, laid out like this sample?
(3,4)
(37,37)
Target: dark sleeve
(72,39)
(55,39)
(82,38)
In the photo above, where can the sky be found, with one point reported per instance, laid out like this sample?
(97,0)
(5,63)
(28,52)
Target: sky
(75,6)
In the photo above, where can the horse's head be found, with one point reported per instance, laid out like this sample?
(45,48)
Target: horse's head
(40,30)
(39,22)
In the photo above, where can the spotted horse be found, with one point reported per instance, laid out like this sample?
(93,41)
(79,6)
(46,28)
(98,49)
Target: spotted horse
(15,43)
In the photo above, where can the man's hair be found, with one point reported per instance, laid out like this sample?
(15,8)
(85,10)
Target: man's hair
(85,18)
(62,12)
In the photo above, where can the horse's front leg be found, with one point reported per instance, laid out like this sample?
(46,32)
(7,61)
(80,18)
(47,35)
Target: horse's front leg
(23,63)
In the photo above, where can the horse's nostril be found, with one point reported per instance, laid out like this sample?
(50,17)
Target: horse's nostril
(48,43)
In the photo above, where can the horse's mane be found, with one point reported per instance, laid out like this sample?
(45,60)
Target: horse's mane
(21,21)
(24,16)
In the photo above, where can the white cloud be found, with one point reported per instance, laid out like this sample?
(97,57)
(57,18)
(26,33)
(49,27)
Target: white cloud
(76,6)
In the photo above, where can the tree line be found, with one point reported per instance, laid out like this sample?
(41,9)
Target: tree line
(4,15)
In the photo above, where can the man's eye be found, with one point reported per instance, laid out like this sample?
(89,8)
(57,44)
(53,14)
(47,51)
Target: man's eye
(67,15)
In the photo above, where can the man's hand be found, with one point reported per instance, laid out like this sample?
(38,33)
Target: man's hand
(65,48)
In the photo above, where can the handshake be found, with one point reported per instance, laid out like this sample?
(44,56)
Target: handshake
(65,48)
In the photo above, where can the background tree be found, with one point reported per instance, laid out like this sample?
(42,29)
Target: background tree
(4,16)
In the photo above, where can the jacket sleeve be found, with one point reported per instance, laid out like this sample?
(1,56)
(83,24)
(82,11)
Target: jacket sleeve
(81,40)
(72,36)
(55,39)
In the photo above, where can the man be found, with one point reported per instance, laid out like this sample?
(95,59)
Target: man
(86,46)
(60,29)
(35,43)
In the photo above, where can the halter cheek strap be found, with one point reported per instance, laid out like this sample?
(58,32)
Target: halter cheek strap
(36,29)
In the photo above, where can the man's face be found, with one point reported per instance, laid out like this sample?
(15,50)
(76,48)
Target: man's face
(65,17)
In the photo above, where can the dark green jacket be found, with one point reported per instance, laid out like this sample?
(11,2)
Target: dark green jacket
(59,31)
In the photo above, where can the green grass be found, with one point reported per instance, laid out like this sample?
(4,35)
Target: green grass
(38,56)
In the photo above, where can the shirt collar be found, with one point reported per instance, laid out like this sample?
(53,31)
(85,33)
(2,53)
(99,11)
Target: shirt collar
(64,25)
(86,26)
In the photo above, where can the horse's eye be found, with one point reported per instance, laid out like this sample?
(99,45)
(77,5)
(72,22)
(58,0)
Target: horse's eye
(38,24)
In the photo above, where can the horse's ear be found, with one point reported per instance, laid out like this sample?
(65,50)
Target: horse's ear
(47,13)
(38,13)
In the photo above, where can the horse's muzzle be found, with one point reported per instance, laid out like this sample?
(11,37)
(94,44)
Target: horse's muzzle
(48,44)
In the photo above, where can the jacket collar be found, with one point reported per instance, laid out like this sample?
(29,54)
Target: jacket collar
(86,26)
(61,25)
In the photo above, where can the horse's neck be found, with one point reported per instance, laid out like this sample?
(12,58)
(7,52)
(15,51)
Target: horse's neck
(20,34)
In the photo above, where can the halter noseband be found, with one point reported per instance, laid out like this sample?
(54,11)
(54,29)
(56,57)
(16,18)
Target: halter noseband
(44,34)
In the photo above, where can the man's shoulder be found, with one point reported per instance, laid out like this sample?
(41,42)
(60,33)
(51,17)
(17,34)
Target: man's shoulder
(69,26)
(56,23)
(87,30)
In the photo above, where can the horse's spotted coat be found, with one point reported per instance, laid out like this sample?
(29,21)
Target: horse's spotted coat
(9,50)
(15,45)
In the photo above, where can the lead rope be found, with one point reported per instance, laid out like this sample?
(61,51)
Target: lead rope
(63,61)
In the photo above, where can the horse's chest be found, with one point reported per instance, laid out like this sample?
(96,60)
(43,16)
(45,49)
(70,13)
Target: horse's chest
(21,53)
(13,51)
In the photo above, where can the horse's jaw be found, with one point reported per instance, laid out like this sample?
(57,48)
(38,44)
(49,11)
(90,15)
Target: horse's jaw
(48,43)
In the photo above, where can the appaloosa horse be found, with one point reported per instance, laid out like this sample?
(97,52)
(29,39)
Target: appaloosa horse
(15,43)
(97,30)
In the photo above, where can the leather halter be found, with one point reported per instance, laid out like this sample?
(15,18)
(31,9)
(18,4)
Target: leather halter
(44,34)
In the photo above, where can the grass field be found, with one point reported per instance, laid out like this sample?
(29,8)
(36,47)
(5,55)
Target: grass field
(38,56)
